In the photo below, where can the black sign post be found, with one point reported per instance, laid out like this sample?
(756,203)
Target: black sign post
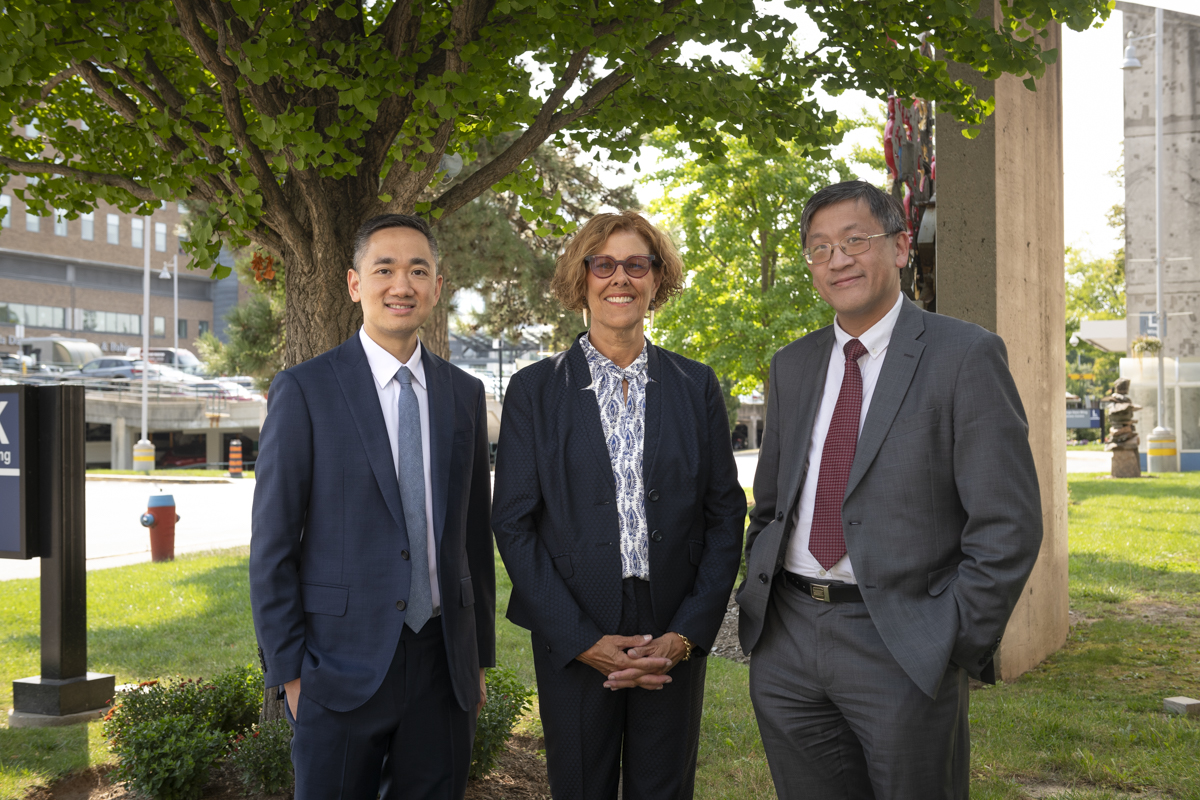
(54,425)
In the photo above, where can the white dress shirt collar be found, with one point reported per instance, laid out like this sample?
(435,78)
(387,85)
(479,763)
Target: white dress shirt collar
(876,338)
(384,365)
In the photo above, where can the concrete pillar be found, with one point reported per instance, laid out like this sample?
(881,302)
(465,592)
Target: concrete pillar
(214,452)
(119,446)
(1000,265)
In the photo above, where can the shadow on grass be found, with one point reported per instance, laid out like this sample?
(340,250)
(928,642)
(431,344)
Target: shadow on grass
(1102,577)
(43,752)
(221,635)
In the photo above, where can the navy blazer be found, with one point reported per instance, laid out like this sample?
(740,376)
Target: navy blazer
(555,510)
(328,552)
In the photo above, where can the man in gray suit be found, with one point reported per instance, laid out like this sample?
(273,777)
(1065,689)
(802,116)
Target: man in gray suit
(896,520)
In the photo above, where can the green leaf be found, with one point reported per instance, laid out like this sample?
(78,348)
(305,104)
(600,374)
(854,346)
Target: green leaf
(346,11)
(1030,84)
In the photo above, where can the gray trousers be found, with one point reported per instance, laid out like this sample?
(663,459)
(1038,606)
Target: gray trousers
(839,717)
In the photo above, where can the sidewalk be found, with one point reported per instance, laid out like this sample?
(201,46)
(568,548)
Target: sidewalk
(212,516)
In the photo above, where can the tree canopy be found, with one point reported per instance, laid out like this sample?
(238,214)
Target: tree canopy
(291,122)
(749,292)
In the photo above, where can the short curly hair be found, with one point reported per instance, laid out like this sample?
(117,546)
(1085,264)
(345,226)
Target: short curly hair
(569,283)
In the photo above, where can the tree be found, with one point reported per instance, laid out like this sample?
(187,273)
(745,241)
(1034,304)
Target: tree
(255,329)
(295,121)
(748,292)
(1095,290)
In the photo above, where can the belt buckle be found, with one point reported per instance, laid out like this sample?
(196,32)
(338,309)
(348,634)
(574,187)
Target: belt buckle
(819,591)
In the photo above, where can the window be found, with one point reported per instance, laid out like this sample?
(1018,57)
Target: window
(137,227)
(159,327)
(182,324)
(6,204)
(202,327)
(111,322)
(31,129)
(87,226)
(114,229)
(32,316)
(160,237)
(33,223)
(60,223)
(181,208)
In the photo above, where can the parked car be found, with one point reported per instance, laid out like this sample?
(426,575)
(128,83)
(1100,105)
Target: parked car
(116,368)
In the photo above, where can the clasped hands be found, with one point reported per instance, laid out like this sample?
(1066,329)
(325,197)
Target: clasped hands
(635,661)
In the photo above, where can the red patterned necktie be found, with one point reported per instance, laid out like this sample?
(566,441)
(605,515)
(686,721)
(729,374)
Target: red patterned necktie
(825,540)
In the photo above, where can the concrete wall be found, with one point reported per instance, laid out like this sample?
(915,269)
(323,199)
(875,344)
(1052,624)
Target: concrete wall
(1181,174)
(1000,265)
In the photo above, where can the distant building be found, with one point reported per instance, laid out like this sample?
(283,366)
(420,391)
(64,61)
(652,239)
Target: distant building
(1181,223)
(83,278)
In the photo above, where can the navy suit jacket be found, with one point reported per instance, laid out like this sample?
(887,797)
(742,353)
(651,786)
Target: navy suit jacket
(555,512)
(328,551)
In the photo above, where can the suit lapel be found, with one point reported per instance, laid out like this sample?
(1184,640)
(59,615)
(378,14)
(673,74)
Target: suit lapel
(810,374)
(358,387)
(585,410)
(441,434)
(652,425)
(899,366)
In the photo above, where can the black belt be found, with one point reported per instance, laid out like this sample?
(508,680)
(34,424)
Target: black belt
(825,592)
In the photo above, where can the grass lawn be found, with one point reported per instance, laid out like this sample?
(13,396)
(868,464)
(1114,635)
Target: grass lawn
(1086,725)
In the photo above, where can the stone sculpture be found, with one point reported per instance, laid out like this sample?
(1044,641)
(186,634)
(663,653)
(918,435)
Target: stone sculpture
(1122,439)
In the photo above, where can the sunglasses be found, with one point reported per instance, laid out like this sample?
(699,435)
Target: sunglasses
(605,266)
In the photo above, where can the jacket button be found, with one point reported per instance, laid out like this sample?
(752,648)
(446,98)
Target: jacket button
(400,605)
(656,536)
(762,577)
(653,495)
(547,648)
(779,517)
(404,554)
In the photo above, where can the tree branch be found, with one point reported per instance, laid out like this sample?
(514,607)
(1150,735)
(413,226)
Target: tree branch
(81,175)
(112,96)
(275,204)
(47,88)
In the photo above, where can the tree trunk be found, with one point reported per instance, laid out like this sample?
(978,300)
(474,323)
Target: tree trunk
(318,312)
(435,333)
(272,708)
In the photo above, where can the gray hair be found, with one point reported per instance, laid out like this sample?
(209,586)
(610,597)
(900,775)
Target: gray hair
(886,209)
(362,239)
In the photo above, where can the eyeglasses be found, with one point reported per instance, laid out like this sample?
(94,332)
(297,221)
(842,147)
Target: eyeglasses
(852,245)
(605,266)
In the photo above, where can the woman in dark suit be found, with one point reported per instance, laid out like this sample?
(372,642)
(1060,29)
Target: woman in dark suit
(619,516)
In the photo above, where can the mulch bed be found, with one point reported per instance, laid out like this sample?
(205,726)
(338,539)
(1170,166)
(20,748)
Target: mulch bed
(520,775)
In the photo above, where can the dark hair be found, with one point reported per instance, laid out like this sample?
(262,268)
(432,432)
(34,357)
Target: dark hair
(886,209)
(375,224)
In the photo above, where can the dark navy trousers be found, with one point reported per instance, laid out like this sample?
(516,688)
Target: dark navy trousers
(411,740)
(596,737)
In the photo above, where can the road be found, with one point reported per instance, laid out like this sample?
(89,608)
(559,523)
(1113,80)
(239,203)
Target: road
(212,516)
(215,516)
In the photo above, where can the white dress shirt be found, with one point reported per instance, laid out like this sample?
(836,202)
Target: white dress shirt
(384,367)
(798,558)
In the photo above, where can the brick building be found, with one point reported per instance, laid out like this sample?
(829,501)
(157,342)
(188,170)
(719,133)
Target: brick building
(83,278)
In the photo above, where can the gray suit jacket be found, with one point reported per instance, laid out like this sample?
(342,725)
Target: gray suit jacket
(942,515)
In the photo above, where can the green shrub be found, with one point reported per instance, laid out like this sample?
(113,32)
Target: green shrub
(262,758)
(167,758)
(507,700)
(228,704)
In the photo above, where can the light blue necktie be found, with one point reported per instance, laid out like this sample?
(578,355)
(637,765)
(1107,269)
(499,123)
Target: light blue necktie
(412,495)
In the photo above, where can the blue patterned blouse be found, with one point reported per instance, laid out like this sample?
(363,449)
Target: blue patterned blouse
(624,425)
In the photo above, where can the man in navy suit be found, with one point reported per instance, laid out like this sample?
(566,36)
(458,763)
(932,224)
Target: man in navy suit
(372,578)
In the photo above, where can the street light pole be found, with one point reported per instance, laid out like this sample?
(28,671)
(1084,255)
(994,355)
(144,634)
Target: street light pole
(143,451)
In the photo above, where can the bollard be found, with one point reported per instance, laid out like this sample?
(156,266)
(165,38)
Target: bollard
(160,518)
(1161,455)
(235,458)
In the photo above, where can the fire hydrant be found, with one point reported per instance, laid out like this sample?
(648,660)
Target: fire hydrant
(160,518)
